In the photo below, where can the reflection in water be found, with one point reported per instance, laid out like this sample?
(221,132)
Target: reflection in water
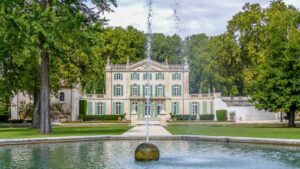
(174,154)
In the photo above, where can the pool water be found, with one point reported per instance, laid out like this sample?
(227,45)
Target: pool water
(174,154)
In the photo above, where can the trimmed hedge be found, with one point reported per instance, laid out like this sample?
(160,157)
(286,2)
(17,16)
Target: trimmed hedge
(102,117)
(82,108)
(207,117)
(222,115)
(184,117)
(4,117)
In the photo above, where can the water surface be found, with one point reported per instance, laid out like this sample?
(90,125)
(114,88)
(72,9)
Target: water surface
(174,154)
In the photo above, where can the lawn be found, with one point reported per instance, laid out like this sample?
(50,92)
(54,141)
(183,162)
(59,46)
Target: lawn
(241,130)
(105,129)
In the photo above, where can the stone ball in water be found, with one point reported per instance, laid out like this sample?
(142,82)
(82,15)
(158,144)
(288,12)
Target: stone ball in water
(146,152)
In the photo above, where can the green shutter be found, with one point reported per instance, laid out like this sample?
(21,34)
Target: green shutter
(198,107)
(121,76)
(138,93)
(130,90)
(144,90)
(156,76)
(104,108)
(90,108)
(163,90)
(163,76)
(191,107)
(150,76)
(114,108)
(204,107)
(156,88)
(96,108)
(138,76)
(177,108)
(172,108)
(114,90)
(172,90)
(115,76)
(122,108)
(180,90)
(150,90)
(121,90)
(131,76)
(179,75)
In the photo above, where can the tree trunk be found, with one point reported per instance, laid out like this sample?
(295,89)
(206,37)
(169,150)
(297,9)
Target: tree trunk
(291,117)
(45,120)
(36,109)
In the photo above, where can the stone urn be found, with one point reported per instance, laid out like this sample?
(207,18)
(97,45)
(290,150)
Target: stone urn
(146,152)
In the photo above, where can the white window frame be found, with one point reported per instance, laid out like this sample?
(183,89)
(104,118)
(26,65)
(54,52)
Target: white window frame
(118,76)
(134,90)
(195,108)
(147,76)
(175,107)
(135,76)
(118,107)
(147,106)
(160,90)
(176,90)
(100,107)
(159,76)
(135,106)
(118,90)
(176,76)
(148,90)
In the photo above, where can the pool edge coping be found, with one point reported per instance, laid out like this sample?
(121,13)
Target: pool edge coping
(252,140)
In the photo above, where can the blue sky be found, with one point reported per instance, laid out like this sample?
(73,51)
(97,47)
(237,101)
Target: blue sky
(196,16)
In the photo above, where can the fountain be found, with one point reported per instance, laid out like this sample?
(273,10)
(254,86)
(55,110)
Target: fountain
(147,151)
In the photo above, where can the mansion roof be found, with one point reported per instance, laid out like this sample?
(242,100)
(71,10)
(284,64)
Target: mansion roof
(154,66)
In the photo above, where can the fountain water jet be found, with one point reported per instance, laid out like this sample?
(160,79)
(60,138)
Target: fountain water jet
(147,151)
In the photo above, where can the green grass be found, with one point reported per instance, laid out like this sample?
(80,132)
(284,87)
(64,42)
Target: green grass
(105,129)
(237,130)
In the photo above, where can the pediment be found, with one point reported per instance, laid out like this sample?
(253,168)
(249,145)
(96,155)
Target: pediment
(142,66)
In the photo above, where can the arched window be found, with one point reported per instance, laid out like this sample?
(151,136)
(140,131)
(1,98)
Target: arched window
(61,96)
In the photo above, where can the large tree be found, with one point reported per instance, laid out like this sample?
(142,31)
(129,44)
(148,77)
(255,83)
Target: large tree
(52,31)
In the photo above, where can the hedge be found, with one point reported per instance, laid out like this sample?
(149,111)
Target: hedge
(4,117)
(102,117)
(207,117)
(222,115)
(184,117)
(82,108)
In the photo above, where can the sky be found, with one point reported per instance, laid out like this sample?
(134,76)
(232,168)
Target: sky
(195,16)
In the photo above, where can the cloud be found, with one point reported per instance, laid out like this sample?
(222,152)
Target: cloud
(196,16)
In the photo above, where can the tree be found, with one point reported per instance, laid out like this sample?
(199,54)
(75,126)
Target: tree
(276,86)
(49,28)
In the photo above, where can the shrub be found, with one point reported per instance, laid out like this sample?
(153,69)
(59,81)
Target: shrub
(82,108)
(222,115)
(4,117)
(184,117)
(102,117)
(207,117)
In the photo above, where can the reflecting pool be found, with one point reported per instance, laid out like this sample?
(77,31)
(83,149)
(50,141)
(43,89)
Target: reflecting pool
(174,154)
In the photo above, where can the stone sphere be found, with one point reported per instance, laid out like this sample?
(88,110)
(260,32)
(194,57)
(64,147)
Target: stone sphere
(146,152)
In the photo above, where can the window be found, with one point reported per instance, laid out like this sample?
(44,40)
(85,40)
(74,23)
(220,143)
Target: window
(61,96)
(176,76)
(147,90)
(159,76)
(100,108)
(174,108)
(147,76)
(118,108)
(135,90)
(118,90)
(195,108)
(118,76)
(159,108)
(176,90)
(160,90)
(147,109)
(135,106)
(135,76)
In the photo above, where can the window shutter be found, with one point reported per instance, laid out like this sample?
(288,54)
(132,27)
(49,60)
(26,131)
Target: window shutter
(156,76)
(104,108)
(114,90)
(138,76)
(144,76)
(122,107)
(96,108)
(172,108)
(191,107)
(198,107)
(180,90)
(163,77)
(130,90)
(150,90)
(204,107)
(115,78)
(121,76)
(150,76)
(177,108)
(172,90)
(138,93)
(144,90)
(156,92)
(131,76)
(121,90)
(179,76)
(114,108)
(163,90)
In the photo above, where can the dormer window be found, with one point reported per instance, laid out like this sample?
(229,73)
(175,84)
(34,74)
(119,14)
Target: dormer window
(118,76)
(176,76)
